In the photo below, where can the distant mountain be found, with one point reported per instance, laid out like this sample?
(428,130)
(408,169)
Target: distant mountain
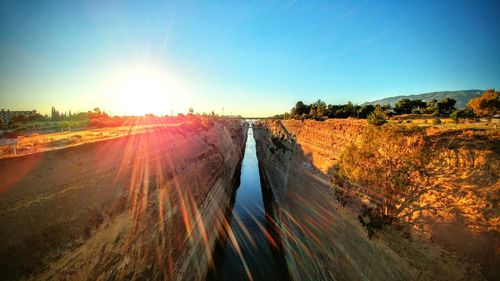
(462,97)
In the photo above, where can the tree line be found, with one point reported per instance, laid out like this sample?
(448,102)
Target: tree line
(56,115)
(95,118)
(485,105)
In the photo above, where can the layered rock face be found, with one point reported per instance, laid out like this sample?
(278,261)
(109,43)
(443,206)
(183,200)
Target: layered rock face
(323,241)
(321,142)
(146,206)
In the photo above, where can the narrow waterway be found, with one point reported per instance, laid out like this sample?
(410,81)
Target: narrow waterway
(254,253)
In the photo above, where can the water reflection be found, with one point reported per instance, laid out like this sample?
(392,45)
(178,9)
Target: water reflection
(249,250)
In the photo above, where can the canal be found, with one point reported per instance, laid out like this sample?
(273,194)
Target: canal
(253,252)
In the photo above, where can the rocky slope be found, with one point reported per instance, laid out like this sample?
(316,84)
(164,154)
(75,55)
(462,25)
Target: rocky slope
(323,241)
(146,206)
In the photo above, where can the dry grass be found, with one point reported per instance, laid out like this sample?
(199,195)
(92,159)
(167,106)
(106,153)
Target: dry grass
(39,143)
(446,123)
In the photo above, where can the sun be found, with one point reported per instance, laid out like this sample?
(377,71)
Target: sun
(145,90)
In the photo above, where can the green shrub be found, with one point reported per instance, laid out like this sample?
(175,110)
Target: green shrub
(378,117)
(464,113)
(455,116)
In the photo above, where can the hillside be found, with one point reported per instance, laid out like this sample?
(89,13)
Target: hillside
(462,97)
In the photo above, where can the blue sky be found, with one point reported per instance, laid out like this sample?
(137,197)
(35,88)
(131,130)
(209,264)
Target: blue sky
(250,57)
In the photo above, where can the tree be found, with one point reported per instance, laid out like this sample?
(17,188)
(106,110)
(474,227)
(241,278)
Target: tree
(378,117)
(406,106)
(80,116)
(335,111)
(97,114)
(432,103)
(318,109)
(403,106)
(54,114)
(191,110)
(19,119)
(300,108)
(487,104)
(386,107)
(36,117)
(418,104)
(390,164)
(431,107)
(365,110)
(349,110)
(446,106)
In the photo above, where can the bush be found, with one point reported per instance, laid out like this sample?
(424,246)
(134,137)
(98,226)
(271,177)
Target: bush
(428,110)
(372,219)
(464,113)
(436,121)
(378,117)
(455,116)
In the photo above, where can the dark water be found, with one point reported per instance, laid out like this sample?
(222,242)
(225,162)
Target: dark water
(260,257)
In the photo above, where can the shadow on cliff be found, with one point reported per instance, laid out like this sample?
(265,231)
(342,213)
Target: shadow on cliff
(452,235)
(221,240)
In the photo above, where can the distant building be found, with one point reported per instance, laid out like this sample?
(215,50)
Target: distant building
(7,115)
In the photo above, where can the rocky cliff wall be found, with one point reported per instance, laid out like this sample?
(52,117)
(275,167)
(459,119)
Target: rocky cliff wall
(145,206)
(323,241)
(321,142)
